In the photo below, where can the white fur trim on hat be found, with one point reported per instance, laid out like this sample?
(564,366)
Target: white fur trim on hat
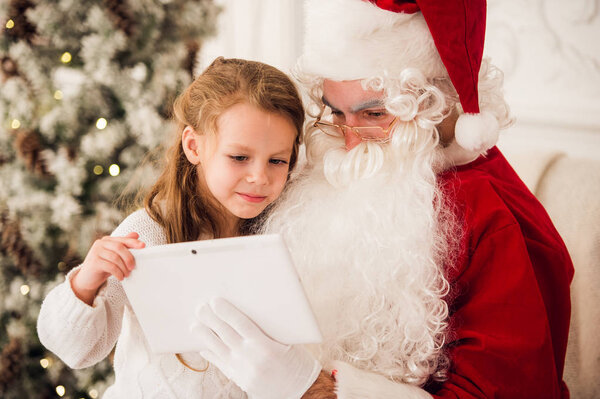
(477,132)
(354,39)
(352,383)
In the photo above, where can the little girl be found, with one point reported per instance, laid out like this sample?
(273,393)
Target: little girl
(237,139)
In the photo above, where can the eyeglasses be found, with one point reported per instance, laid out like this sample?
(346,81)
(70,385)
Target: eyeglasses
(365,133)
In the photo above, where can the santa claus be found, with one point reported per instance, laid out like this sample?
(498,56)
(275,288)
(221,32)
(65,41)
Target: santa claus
(426,259)
(432,270)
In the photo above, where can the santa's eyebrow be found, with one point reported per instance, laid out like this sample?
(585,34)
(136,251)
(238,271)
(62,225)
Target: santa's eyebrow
(377,102)
(327,103)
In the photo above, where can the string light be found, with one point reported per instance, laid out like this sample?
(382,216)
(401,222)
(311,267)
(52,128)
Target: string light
(65,58)
(114,169)
(98,170)
(45,362)
(101,123)
(15,124)
(10,24)
(58,95)
(25,289)
(60,390)
(62,266)
(93,393)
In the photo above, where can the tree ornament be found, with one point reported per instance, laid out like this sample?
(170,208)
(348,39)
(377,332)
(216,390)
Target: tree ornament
(190,62)
(11,361)
(70,260)
(121,15)
(29,148)
(8,67)
(13,244)
(23,28)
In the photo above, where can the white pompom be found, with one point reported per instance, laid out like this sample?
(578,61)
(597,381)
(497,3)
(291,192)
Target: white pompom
(477,132)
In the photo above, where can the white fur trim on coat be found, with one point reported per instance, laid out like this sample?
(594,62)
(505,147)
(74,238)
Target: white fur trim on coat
(354,39)
(352,383)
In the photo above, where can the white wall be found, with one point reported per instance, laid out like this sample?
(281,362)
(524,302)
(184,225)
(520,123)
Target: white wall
(548,49)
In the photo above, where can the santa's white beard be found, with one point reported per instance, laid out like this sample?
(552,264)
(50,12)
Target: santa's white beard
(368,252)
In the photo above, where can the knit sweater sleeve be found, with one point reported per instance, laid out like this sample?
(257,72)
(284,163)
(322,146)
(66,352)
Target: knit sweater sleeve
(82,335)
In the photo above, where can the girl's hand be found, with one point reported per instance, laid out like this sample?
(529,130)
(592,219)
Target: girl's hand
(107,256)
(264,368)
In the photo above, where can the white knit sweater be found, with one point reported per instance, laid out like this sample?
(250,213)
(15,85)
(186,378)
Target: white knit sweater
(82,335)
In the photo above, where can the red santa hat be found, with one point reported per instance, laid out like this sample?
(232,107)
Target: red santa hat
(357,39)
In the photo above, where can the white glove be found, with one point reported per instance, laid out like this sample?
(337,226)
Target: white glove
(262,367)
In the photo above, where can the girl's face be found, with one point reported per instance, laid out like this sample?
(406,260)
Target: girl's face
(246,167)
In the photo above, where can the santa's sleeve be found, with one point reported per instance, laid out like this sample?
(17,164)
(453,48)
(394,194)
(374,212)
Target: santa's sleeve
(352,383)
(500,338)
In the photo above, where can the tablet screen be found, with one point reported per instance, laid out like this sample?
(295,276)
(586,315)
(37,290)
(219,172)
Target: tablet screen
(254,273)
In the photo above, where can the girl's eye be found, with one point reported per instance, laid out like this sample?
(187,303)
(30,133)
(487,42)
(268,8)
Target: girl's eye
(238,158)
(278,161)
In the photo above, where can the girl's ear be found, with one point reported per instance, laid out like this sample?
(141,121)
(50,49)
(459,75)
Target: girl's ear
(192,144)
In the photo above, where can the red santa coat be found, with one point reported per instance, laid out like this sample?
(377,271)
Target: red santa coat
(510,304)
(509,300)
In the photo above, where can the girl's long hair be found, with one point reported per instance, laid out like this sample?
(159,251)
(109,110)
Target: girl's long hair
(178,201)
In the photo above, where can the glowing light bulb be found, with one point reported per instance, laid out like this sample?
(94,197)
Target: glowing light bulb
(60,390)
(15,124)
(101,123)
(10,24)
(45,363)
(25,289)
(93,393)
(65,58)
(114,169)
(58,95)
(98,170)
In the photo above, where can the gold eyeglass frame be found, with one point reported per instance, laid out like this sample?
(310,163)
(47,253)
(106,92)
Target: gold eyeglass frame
(319,124)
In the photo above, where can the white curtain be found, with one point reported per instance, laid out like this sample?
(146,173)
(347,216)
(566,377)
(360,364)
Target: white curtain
(269,31)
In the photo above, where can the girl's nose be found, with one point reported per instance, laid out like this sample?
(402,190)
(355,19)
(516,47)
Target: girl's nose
(258,175)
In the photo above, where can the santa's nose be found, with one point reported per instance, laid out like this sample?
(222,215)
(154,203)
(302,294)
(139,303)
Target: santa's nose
(351,139)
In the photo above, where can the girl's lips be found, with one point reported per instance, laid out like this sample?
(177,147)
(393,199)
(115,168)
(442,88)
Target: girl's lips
(252,198)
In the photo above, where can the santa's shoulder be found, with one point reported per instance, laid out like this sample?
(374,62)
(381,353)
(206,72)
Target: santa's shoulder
(488,188)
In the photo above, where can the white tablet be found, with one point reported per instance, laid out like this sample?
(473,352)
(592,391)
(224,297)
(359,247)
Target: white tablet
(254,273)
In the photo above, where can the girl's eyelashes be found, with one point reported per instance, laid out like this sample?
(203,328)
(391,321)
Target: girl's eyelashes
(278,161)
(243,158)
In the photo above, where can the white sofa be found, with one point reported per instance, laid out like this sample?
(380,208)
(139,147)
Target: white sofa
(569,189)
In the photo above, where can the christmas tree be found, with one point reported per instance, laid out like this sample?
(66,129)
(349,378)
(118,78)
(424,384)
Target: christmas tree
(85,93)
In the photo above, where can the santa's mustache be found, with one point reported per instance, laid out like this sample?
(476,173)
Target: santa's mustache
(408,143)
(342,167)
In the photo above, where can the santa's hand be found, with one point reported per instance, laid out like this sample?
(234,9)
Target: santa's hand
(262,367)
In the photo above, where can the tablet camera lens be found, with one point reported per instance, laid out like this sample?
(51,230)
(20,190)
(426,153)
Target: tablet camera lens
(194,251)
